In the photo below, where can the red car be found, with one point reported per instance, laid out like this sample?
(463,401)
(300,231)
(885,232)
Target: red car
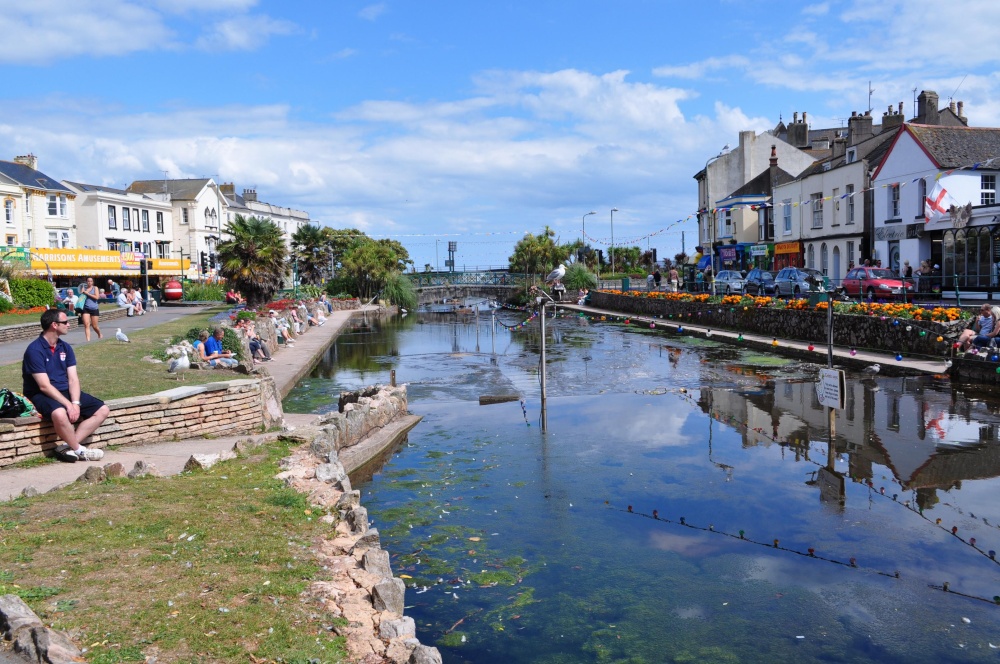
(876,283)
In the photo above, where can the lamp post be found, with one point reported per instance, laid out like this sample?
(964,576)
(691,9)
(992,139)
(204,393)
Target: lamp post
(708,208)
(583,227)
(613,210)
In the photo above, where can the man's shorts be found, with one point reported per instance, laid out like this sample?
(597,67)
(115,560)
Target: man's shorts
(46,405)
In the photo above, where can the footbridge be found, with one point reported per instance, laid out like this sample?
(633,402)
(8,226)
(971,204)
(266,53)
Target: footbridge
(435,287)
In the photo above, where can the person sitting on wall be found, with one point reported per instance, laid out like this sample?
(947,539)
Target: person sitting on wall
(136,301)
(281,328)
(983,330)
(123,302)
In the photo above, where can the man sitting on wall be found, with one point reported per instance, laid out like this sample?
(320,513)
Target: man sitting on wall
(123,302)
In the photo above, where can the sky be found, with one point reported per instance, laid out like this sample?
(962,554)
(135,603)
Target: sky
(472,122)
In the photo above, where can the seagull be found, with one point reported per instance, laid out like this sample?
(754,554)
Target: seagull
(556,274)
(872,369)
(179,365)
(120,336)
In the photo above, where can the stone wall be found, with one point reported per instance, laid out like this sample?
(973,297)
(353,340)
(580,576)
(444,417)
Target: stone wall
(32,330)
(360,418)
(870,332)
(345,305)
(225,408)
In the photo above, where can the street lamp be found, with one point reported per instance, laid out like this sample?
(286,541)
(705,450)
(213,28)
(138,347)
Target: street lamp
(583,227)
(708,208)
(613,210)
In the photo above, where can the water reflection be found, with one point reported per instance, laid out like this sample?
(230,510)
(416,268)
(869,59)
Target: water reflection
(767,526)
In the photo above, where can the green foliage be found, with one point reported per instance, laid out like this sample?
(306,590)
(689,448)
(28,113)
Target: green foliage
(627,259)
(578,276)
(195,291)
(310,290)
(369,263)
(29,293)
(339,285)
(399,290)
(229,339)
(312,254)
(5,305)
(538,254)
(255,259)
(246,315)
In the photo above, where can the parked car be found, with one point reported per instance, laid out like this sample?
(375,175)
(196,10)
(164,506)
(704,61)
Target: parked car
(728,282)
(759,282)
(794,281)
(876,283)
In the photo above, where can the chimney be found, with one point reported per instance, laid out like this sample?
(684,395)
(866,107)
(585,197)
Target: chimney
(250,195)
(773,168)
(798,132)
(961,111)
(951,106)
(839,147)
(927,108)
(29,160)
(821,143)
(859,128)
(228,189)
(774,156)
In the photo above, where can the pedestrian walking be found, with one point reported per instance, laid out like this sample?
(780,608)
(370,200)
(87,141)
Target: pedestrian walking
(91,309)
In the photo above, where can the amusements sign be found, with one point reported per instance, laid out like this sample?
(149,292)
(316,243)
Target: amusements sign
(831,388)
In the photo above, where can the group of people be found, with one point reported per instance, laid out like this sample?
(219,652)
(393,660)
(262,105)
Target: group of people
(655,279)
(984,330)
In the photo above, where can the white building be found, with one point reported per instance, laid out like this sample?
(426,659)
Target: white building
(119,220)
(287,219)
(47,218)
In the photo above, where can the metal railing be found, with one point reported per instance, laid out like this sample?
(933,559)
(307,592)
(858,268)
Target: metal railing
(466,278)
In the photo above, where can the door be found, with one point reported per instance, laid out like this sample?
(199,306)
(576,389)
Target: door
(894,256)
(836,267)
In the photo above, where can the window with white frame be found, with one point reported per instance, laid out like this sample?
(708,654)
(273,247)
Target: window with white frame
(64,239)
(836,207)
(53,240)
(850,203)
(135,219)
(11,240)
(8,211)
(184,215)
(786,216)
(145,221)
(159,223)
(921,196)
(988,195)
(727,223)
(57,205)
(811,257)
(817,211)
(126,219)
(893,200)
(112,218)
(162,250)
(824,260)
(850,253)
(27,205)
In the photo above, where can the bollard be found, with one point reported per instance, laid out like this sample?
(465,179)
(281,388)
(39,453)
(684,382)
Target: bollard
(392,377)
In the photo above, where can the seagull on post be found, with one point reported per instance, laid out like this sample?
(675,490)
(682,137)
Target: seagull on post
(872,369)
(120,336)
(556,274)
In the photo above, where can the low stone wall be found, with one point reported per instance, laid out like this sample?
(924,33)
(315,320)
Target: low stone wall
(32,330)
(225,408)
(360,416)
(870,332)
(345,305)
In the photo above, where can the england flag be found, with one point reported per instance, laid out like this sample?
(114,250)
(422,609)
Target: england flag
(938,202)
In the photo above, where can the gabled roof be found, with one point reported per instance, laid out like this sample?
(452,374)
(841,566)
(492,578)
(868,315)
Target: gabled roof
(762,184)
(29,177)
(96,188)
(954,147)
(185,190)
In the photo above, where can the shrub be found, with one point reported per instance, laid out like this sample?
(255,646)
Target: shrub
(339,285)
(578,276)
(310,290)
(399,290)
(28,293)
(195,291)
(229,339)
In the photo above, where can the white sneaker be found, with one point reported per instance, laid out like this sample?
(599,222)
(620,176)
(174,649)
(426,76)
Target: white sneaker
(89,454)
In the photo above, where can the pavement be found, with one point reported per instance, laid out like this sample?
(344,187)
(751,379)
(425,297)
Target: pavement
(289,366)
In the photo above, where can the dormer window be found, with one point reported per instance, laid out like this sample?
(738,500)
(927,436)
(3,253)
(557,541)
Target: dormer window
(852,155)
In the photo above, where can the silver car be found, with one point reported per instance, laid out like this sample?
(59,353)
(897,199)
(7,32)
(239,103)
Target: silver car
(794,281)
(728,282)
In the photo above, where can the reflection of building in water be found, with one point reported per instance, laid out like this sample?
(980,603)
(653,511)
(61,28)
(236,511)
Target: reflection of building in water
(927,440)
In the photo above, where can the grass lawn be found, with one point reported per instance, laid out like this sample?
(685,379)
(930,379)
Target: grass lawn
(111,370)
(18,319)
(207,566)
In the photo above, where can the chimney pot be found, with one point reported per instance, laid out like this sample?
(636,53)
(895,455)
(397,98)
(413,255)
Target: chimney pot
(795,117)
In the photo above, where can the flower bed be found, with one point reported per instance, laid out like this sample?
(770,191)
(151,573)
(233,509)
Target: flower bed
(891,328)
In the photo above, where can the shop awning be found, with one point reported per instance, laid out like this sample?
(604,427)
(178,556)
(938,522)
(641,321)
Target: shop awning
(704,262)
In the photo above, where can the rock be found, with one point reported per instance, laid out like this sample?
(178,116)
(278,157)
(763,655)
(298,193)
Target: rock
(206,461)
(114,470)
(344,484)
(93,475)
(358,519)
(376,561)
(143,468)
(425,655)
(387,595)
(15,614)
(40,644)
(330,472)
(29,492)
(391,629)
(349,500)
(370,540)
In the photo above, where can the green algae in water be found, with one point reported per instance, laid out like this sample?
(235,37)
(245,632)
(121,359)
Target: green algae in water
(760,359)
(453,640)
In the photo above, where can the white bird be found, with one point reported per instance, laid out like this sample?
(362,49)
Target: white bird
(556,274)
(120,336)
(179,365)
(872,369)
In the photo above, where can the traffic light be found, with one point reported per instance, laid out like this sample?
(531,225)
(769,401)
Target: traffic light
(143,266)
(600,257)
(654,255)
(213,261)
(204,262)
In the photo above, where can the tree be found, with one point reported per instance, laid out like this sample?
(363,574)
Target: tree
(310,249)
(538,254)
(338,241)
(254,259)
(369,264)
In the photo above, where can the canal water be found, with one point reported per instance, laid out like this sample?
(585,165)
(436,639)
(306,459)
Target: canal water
(684,504)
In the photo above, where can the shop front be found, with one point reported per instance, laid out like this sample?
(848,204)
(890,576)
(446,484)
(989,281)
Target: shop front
(68,267)
(761,255)
(787,254)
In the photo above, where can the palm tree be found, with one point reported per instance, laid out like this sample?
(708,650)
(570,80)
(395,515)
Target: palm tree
(255,259)
(309,244)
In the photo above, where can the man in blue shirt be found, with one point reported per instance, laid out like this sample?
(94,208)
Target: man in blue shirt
(52,384)
(215,354)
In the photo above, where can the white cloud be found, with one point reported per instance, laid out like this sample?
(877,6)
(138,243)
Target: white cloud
(819,9)
(243,33)
(372,12)
(698,70)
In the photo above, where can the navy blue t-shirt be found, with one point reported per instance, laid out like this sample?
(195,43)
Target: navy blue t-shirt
(39,357)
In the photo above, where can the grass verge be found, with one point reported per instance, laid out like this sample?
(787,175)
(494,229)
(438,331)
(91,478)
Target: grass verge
(204,566)
(112,370)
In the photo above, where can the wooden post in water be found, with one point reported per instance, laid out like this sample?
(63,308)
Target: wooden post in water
(392,377)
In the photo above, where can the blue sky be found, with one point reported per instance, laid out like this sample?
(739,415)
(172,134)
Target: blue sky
(467,121)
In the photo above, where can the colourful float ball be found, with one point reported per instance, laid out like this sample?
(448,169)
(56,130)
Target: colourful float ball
(811,347)
(739,338)
(746,308)
(940,339)
(680,329)
(998,370)
(853,352)
(899,357)
(627,321)
(895,323)
(909,328)
(923,333)
(775,343)
(604,318)
(652,326)
(994,358)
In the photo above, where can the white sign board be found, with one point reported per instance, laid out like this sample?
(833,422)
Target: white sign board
(831,387)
